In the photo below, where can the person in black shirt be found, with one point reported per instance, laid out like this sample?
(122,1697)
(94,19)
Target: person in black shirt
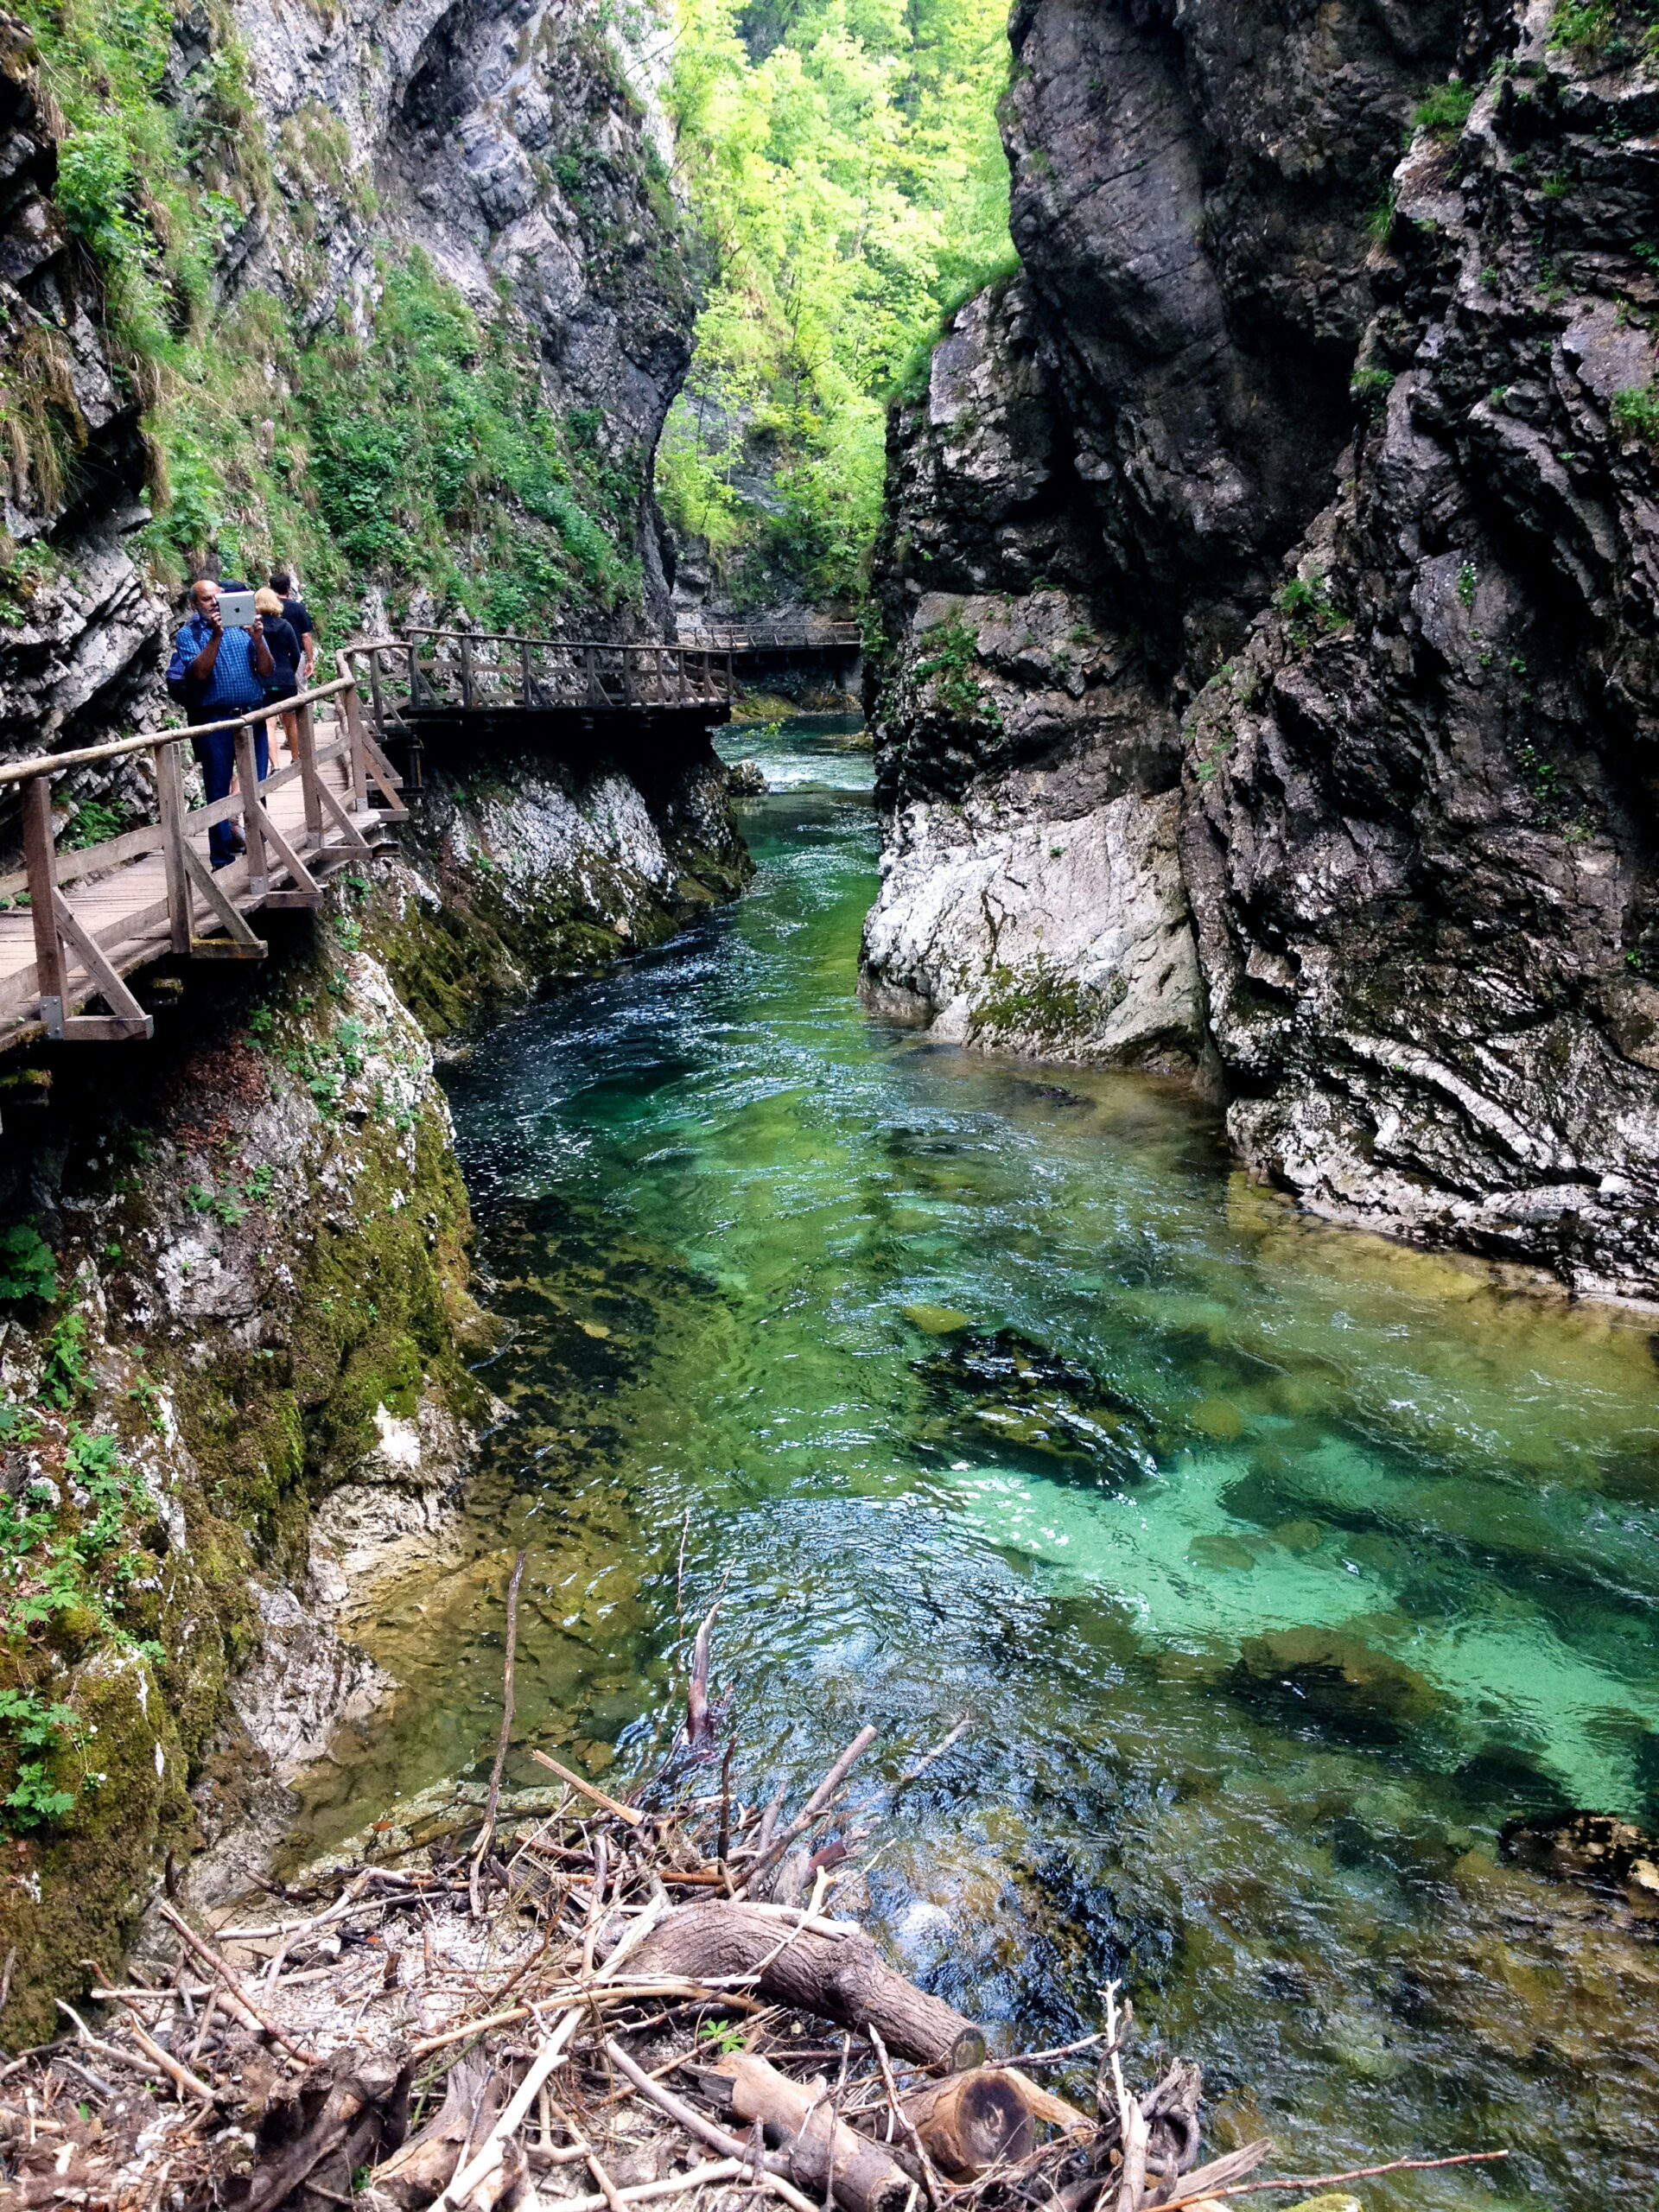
(295,612)
(286,652)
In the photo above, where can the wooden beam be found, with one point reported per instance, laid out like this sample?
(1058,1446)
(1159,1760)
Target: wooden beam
(170,796)
(127,1019)
(40,854)
(239,942)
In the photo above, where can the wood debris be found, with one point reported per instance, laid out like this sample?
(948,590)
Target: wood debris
(587,2008)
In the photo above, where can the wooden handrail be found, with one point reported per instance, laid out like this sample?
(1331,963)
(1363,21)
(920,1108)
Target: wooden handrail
(52,764)
(86,954)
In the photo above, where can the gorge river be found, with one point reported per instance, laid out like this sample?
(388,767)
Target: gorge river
(1278,1567)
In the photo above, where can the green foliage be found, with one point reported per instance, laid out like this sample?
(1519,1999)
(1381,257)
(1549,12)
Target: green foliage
(1445,110)
(1298,597)
(94,823)
(1636,410)
(65,1375)
(952,659)
(844,168)
(27,1267)
(1466,583)
(1369,386)
(416,454)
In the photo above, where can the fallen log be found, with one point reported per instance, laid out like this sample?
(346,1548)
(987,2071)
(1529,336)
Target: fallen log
(799,2120)
(973,2120)
(841,1977)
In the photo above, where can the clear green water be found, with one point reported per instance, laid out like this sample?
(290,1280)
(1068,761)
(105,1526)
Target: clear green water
(1352,1554)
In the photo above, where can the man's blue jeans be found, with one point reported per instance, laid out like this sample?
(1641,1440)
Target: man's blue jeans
(217,753)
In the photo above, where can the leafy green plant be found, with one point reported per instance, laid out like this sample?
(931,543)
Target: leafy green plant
(66,1375)
(28,1269)
(952,659)
(1466,582)
(1445,110)
(1636,410)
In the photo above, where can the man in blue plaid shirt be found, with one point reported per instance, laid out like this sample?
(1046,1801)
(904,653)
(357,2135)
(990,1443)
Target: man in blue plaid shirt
(220,672)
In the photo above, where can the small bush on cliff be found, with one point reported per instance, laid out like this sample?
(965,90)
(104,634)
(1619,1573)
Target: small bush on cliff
(1446,111)
(952,659)
(1636,410)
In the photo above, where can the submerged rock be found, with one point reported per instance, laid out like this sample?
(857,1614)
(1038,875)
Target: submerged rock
(1338,1678)
(1598,1849)
(1026,1400)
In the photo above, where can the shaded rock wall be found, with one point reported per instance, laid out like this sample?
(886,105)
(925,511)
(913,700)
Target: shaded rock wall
(1346,462)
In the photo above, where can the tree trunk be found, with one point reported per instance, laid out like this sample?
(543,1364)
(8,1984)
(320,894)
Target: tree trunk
(841,1978)
(799,2120)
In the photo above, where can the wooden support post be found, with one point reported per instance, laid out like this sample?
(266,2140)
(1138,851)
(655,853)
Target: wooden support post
(247,777)
(40,856)
(305,744)
(169,803)
(375,700)
(730,693)
(414,676)
(466,671)
(523,673)
(680,659)
(352,709)
(588,656)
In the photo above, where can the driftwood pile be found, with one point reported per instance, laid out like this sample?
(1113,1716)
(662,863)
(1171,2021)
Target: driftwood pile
(606,2005)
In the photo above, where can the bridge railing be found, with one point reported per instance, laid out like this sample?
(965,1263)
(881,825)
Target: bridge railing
(469,671)
(805,634)
(142,892)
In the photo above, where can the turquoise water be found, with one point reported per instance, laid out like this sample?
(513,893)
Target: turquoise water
(1277,1568)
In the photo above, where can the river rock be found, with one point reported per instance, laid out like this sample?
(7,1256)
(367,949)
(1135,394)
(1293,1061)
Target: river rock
(1598,1849)
(1338,1677)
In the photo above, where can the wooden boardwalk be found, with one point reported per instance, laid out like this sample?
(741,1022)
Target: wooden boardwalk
(75,925)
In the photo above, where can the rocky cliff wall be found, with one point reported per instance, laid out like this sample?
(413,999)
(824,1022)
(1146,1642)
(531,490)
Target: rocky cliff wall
(203,366)
(1306,493)
(246,1396)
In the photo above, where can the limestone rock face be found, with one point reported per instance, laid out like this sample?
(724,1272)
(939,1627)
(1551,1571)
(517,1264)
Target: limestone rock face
(1337,470)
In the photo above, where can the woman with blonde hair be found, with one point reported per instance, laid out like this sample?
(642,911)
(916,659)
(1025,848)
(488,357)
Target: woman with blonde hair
(284,678)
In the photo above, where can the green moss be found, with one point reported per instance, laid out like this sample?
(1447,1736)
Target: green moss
(1036,1003)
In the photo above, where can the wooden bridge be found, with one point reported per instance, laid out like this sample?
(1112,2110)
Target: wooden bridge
(805,634)
(75,925)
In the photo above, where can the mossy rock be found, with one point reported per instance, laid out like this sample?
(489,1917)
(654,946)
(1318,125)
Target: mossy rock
(73,1894)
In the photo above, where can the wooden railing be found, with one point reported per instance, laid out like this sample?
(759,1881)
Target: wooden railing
(75,925)
(806,633)
(470,671)
(145,891)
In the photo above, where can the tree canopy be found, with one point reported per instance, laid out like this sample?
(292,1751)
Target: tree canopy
(842,163)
